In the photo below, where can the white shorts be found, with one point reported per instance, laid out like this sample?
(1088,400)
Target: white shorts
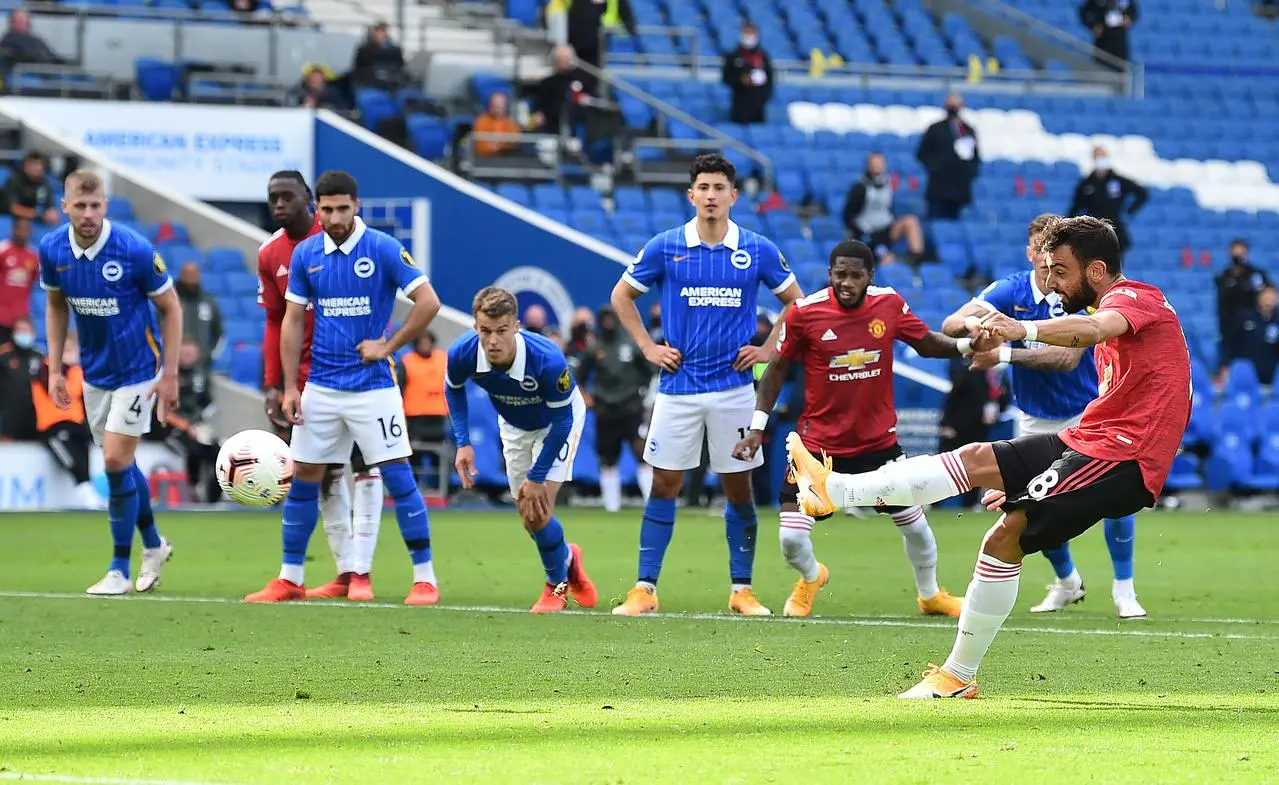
(681,422)
(125,411)
(332,419)
(521,448)
(1029,425)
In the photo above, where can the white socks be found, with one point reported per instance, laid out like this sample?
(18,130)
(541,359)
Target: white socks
(611,488)
(1074,580)
(921,549)
(335,508)
(369,500)
(1123,588)
(989,600)
(292,573)
(922,480)
(796,532)
(424,573)
(644,479)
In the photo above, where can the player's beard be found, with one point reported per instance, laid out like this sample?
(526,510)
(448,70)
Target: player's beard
(1078,301)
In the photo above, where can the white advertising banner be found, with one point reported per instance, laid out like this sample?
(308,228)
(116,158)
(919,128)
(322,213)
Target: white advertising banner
(31,480)
(215,153)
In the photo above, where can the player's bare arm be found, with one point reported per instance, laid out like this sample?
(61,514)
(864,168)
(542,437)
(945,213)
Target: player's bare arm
(166,390)
(292,329)
(57,319)
(936,344)
(1058,359)
(770,386)
(1076,332)
(954,325)
(623,300)
(426,304)
(750,356)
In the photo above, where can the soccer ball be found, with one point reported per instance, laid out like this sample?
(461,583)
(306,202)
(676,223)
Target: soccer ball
(254,468)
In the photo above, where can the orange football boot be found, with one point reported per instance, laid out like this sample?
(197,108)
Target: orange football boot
(338,587)
(423,594)
(278,590)
(361,588)
(579,583)
(553,600)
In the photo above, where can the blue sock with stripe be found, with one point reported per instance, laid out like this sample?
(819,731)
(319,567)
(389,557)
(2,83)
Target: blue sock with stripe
(553,549)
(740,526)
(1120,536)
(1062,564)
(410,509)
(146,518)
(301,512)
(122,512)
(655,535)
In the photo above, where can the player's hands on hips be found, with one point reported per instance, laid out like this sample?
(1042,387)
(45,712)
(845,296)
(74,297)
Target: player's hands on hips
(750,356)
(533,502)
(994,328)
(58,391)
(464,462)
(993,499)
(374,351)
(166,392)
(665,357)
(272,407)
(746,448)
(291,406)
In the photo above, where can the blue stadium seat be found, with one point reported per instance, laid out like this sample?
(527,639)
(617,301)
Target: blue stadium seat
(430,135)
(157,79)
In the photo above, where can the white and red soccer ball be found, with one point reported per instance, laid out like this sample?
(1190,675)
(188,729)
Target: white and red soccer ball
(254,468)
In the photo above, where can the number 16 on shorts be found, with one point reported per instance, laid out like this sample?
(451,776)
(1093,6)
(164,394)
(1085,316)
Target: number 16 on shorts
(332,420)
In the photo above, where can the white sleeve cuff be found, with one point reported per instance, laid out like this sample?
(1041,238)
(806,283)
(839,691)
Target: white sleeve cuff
(983,304)
(413,285)
(559,404)
(296,298)
(49,288)
(166,286)
(784,285)
(634,284)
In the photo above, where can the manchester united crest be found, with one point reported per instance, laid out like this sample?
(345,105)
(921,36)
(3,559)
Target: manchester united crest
(878,328)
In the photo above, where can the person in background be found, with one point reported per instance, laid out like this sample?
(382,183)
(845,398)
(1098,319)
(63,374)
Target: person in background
(1108,195)
(1109,22)
(868,212)
(749,75)
(948,152)
(27,193)
(420,374)
(496,120)
(1238,287)
(20,363)
(19,267)
(188,429)
(378,61)
(555,95)
(587,18)
(535,320)
(317,90)
(970,409)
(65,432)
(1255,336)
(201,316)
(20,46)
(580,342)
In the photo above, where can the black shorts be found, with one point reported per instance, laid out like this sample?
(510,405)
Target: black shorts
(1062,492)
(882,237)
(867,462)
(614,430)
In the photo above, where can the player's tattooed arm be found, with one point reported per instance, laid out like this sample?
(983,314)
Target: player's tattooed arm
(1046,358)
(1082,330)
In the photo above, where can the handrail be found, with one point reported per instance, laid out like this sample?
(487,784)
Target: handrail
(272,18)
(1041,27)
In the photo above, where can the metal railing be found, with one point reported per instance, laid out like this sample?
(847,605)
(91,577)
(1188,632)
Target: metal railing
(64,81)
(538,160)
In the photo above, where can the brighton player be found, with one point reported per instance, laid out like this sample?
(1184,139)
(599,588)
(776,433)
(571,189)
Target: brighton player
(540,417)
(108,276)
(351,542)
(350,274)
(710,270)
(1051,386)
(843,335)
(1050,487)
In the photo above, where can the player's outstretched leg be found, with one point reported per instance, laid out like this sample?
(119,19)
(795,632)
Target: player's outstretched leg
(415,528)
(369,496)
(921,550)
(1069,586)
(656,531)
(335,508)
(795,532)
(1120,536)
(122,513)
(301,514)
(156,550)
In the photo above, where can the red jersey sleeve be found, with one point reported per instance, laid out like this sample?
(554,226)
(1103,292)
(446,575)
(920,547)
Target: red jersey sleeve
(792,342)
(909,327)
(1142,307)
(270,299)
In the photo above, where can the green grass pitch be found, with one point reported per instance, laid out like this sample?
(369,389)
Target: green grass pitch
(191,686)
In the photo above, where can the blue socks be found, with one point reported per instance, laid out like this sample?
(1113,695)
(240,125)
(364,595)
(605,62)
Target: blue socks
(1062,564)
(553,550)
(655,536)
(122,512)
(1120,533)
(410,509)
(146,520)
(740,526)
(301,511)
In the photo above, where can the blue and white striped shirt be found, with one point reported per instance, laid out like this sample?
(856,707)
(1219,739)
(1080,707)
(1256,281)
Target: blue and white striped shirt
(107,286)
(352,288)
(709,297)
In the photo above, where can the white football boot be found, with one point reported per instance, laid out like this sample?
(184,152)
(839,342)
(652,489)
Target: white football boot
(1126,605)
(1060,594)
(112,585)
(152,560)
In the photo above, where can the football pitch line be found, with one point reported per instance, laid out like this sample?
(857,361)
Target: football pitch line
(17,776)
(1126,629)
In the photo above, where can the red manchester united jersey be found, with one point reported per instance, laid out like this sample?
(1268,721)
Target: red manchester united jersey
(19,268)
(273,281)
(1143,385)
(848,368)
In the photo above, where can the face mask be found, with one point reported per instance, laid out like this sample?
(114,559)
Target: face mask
(1239,258)
(24,340)
(1102,164)
(952,111)
(580,331)
(750,41)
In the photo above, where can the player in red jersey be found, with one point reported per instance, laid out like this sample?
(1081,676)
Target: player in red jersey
(351,541)
(1050,487)
(844,337)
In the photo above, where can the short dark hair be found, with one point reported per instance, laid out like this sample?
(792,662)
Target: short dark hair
(295,176)
(853,249)
(712,163)
(33,155)
(336,183)
(1040,223)
(1240,241)
(1088,237)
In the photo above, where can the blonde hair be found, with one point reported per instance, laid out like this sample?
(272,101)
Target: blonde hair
(82,181)
(494,303)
